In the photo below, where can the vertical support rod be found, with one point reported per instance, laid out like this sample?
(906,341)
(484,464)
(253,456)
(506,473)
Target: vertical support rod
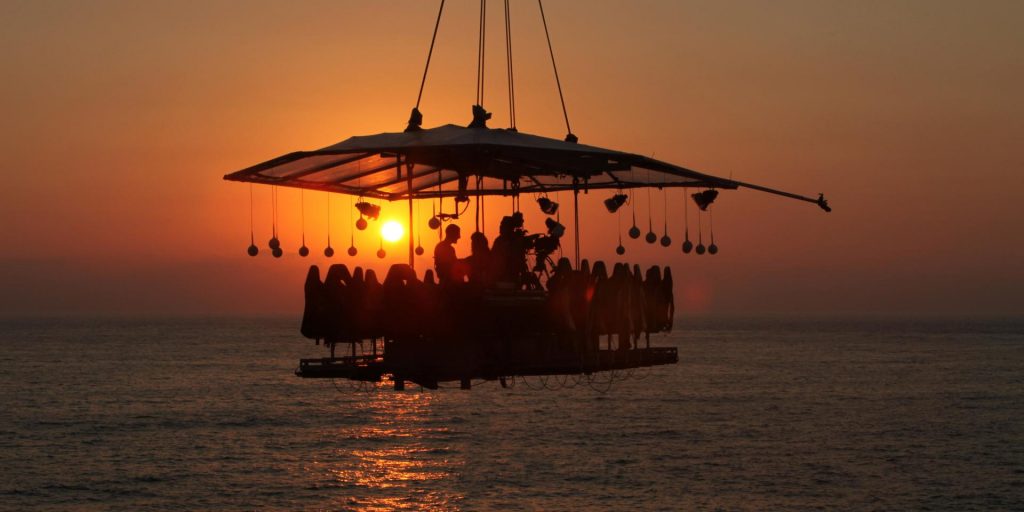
(576,218)
(412,253)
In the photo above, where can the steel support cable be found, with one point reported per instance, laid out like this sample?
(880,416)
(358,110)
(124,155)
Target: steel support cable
(511,78)
(480,59)
(430,54)
(569,135)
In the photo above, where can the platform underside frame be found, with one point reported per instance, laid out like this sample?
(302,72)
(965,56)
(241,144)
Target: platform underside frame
(369,368)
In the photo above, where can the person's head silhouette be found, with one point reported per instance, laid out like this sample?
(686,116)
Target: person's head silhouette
(452,233)
(478,243)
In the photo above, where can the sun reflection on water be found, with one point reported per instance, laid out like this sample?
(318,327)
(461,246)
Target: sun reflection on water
(397,457)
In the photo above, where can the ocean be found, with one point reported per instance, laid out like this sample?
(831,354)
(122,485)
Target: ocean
(759,414)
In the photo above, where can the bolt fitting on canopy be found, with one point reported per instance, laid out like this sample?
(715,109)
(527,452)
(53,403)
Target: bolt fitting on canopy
(415,121)
(480,117)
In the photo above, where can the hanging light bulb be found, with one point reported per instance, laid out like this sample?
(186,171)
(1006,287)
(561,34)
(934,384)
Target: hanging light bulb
(634,232)
(620,250)
(274,243)
(329,251)
(303,250)
(352,251)
(665,239)
(651,237)
(700,236)
(434,223)
(277,252)
(361,224)
(687,244)
(712,249)
(252,250)
(419,251)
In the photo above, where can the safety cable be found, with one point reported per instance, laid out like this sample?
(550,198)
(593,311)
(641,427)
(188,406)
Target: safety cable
(569,136)
(429,54)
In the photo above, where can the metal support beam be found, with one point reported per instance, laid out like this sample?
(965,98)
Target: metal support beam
(576,218)
(412,250)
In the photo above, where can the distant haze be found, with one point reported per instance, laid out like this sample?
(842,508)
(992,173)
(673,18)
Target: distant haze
(120,118)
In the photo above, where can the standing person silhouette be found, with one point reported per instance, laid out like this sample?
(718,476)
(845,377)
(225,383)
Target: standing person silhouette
(478,263)
(445,261)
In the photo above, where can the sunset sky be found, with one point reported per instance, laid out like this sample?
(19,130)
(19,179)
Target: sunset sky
(121,118)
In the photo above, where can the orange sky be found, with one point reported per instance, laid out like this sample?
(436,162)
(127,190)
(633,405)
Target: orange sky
(120,118)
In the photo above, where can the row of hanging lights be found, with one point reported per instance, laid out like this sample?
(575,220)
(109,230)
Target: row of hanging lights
(369,211)
(703,201)
(366,211)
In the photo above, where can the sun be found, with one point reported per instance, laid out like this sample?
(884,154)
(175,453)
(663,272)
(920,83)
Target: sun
(392,231)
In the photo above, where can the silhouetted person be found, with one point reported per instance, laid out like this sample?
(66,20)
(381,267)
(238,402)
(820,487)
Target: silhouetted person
(601,305)
(581,292)
(373,296)
(559,297)
(313,312)
(560,275)
(668,296)
(357,292)
(400,298)
(445,261)
(637,304)
(509,251)
(622,312)
(428,302)
(479,261)
(336,290)
(654,303)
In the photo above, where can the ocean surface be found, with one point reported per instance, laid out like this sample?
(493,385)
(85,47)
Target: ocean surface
(759,414)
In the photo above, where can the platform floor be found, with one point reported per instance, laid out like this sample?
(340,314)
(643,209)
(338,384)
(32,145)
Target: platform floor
(429,373)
